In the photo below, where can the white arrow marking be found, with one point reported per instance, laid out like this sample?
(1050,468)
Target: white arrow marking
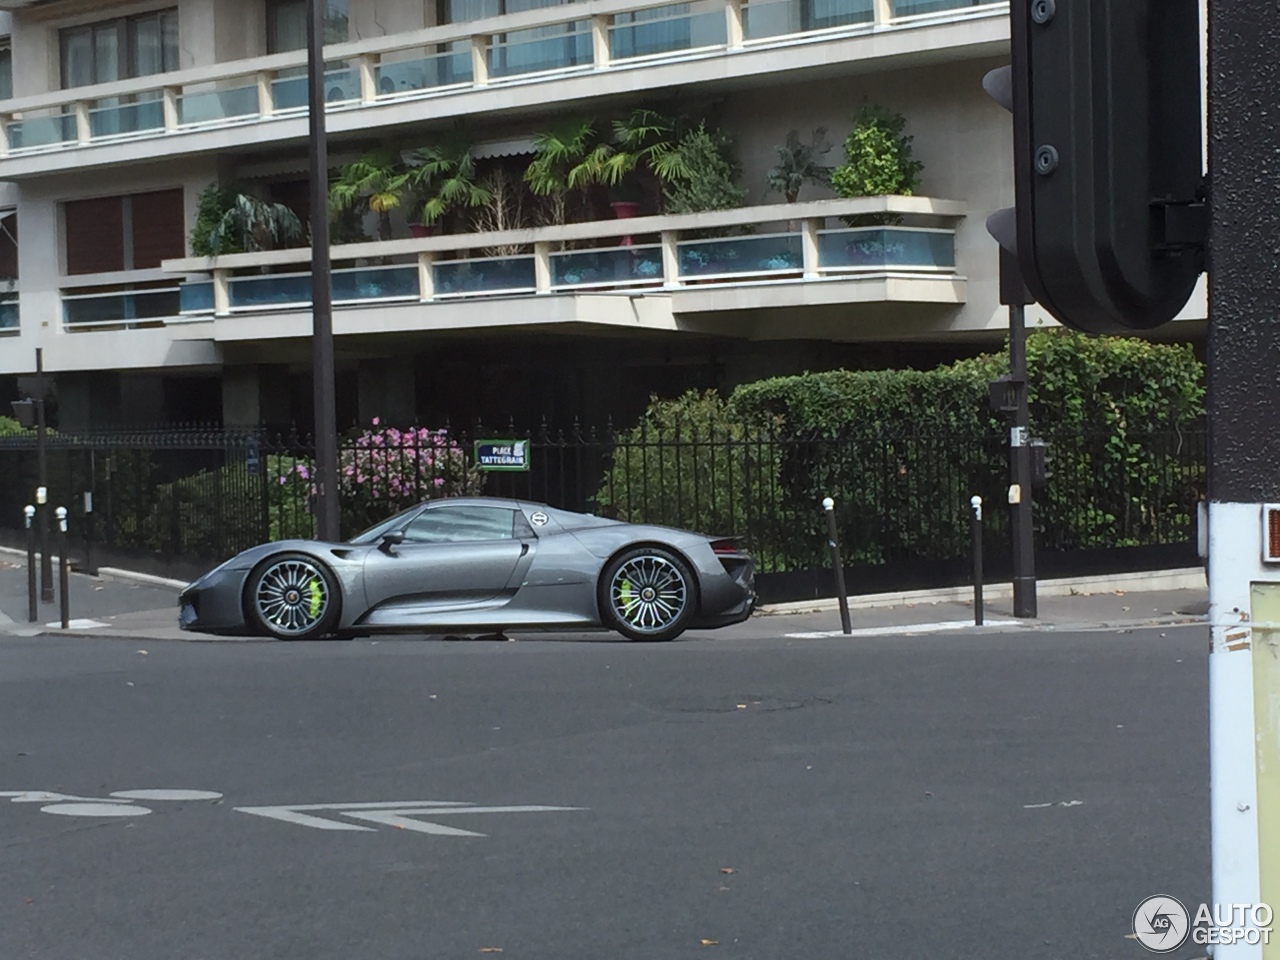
(394,813)
(401,819)
(293,815)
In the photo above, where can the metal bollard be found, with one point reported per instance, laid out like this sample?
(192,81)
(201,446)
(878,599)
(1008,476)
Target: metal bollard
(833,541)
(33,601)
(63,579)
(976,526)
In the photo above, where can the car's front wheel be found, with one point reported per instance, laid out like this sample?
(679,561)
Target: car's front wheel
(292,597)
(647,594)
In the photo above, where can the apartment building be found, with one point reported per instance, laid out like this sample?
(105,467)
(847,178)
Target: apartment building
(116,116)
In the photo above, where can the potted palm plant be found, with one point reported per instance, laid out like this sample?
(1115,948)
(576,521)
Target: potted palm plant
(376,183)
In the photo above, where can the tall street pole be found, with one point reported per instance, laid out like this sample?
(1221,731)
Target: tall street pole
(1244,461)
(42,481)
(1014,293)
(322,366)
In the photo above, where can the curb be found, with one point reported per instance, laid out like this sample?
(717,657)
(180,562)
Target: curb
(1190,578)
(110,573)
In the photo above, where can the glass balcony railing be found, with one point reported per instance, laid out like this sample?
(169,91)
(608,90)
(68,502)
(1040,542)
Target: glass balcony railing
(774,254)
(374,284)
(610,267)
(41,132)
(341,85)
(217,106)
(915,8)
(113,119)
(438,70)
(541,50)
(196,297)
(400,65)
(123,306)
(669,264)
(762,19)
(663,30)
(266,291)
(484,276)
(880,248)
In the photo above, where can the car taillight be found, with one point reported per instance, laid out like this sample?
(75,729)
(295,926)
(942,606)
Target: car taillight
(726,548)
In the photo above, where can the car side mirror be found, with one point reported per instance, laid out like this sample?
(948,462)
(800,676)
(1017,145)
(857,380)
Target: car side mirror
(391,540)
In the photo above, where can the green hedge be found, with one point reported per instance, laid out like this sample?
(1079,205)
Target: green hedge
(902,451)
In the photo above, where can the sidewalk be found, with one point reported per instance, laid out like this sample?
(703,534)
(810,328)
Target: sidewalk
(113,606)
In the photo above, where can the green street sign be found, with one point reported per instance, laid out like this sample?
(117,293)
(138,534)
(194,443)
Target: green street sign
(502,455)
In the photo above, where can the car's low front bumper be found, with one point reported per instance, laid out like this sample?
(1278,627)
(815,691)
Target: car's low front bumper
(213,604)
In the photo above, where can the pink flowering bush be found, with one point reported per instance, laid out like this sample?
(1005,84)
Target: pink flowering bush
(384,469)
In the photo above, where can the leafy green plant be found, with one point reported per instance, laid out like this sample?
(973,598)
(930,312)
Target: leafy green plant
(710,174)
(568,159)
(442,178)
(212,206)
(878,162)
(689,462)
(247,224)
(799,163)
(377,182)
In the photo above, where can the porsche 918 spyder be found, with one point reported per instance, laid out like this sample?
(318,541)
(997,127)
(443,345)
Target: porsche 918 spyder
(478,564)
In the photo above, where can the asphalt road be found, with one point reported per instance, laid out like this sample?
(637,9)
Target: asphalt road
(877,798)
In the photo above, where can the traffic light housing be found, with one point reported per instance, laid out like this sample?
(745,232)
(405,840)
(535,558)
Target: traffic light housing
(1109,221)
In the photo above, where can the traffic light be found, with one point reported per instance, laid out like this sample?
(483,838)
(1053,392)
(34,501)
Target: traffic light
(1109,221)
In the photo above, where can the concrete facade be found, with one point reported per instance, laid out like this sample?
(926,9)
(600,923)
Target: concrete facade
(927,68)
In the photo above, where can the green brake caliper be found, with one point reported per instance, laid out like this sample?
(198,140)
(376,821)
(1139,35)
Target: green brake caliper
(316,596)
(626,599)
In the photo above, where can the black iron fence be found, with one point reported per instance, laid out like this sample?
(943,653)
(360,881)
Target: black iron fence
(183,500)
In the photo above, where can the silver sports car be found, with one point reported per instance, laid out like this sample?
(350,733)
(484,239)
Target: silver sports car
(480,565)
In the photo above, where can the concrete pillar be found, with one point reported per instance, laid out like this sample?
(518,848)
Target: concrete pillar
(255,395)
(241,403)
(142,400)
(88,401)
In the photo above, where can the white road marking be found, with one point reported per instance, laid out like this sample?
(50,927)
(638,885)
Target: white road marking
(1060,803)
(44,796)
(78,624)
(166,795)
(96,810)
(900,630)
(403,820)
(400,813)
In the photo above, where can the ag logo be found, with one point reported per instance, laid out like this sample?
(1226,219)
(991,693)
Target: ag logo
(1161,924)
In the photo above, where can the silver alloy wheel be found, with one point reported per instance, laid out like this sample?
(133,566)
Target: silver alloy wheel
(292,596)
(648,593)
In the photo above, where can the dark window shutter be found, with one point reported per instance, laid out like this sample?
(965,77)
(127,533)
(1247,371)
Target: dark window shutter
(95,235)
(9,245)
(158,228)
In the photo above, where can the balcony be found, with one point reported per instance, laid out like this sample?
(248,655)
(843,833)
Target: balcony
(507,57)
(778,255)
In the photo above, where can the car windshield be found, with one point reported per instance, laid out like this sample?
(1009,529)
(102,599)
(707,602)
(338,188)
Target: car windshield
(375,533)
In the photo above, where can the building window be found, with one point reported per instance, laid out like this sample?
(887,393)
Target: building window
(8,269)
(110,50)
(6,70)
(137,232)
(287,24)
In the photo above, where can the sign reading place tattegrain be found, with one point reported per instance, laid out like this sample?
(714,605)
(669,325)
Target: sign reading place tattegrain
(502,454)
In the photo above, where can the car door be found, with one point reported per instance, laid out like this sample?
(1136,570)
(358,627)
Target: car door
(452,555)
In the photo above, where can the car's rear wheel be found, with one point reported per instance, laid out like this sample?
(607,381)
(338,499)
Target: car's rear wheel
(647,594)
(292,597)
